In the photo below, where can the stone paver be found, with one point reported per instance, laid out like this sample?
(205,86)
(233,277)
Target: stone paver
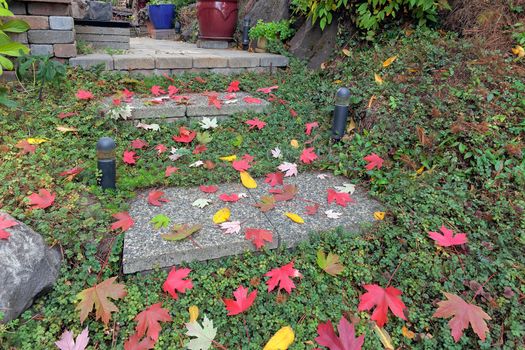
(144,249)
(150,54)
(197,106)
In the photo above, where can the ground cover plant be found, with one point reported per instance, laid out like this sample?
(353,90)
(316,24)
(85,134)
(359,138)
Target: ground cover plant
(437,135)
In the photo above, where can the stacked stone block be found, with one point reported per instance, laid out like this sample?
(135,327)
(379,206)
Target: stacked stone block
(52,30)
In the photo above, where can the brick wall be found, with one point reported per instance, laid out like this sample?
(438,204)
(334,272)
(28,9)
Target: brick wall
(52,30)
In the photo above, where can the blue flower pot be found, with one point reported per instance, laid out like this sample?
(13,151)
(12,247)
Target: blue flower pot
(162,15)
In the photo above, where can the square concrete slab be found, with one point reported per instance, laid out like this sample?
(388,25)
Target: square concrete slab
(144,249)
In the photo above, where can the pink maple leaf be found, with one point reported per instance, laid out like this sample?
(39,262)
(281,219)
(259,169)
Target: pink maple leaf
(72,172)
(208,189)
(157,90)
(252,100)
(42,200)
(213,100)
(124,221)
(293,113)
(289,169)
(67,342)
(199,149)
(160,148)
(130,157)
(382,300)
(308,155)
(233,87)
(170,170)
(256,123)
(138,144)
(84,95)
(63,115)
(234,197)
(340,198)
(6,223)
(156,197)
(185,135)
(310,126)
(241,165)
(274,179)
(172,90)
(448,238)
(267,90)
(374,161)
(282,276)
(258,236)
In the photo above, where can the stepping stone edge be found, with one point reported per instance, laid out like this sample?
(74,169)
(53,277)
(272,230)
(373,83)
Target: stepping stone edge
(145,250)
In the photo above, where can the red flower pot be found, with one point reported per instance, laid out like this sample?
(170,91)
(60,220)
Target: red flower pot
(217,19)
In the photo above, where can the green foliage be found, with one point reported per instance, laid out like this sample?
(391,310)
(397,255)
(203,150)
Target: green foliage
(8,47)
(471,114)
(370,15)
(43,70)
(84,48)
(518,33)
(272,31)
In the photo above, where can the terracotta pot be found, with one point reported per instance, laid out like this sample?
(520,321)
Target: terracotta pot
(217,19)
(262,44)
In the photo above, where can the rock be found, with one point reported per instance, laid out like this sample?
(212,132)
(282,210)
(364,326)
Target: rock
(99,11)
(313,44)
(267,10)
(79,9)
(27,267)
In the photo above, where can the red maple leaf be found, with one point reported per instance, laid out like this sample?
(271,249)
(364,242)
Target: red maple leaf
(340,198)
(230,96)
(464,313)
(157,90)
(128,95)
(213,100)
(287,193)
(134,343)
(41,200)
(208,189)
(267,90)
(374,161)
(293,113)
(117,102)
(382,299)
(448,238)
(124,221)
(175,282)
(281,276)
(155,198)
(25,147)
(229,198)
(185,135)
(247,158)
(139,144)
(160,148)
(233,87)
(256,123)
(242,301)
(172,90)
(199,149)
(312,209)
(63,115)
(130,157)
(308,155)
(310,126)
(84,95)
(252,100)
(241,165)
(346,339)
(258,236)
(200,80)
(274,179)
(148,321)
(6,223)
(72,172)
(170,170)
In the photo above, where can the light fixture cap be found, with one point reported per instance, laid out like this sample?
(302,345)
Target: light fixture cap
(342,97)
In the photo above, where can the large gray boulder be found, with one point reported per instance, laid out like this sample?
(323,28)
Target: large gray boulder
(314,45)
(27,267)
(267,10)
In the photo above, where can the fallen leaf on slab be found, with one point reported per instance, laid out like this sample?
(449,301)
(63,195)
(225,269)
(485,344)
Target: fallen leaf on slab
(341,198)
(247,180)
(160,220)
(231,227)
(229,197)
(312,209)
(274,179)
(181,231)
(258,236)
(332,214)
(294,217)
(201,202)
(266,204)
(281,340)
(289,169)
(287,193)
(346,188)
(208,189)
(155,198)
(222,215)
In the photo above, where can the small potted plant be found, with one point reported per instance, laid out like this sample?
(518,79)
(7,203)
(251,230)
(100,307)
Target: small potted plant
(161,13)
(267,32)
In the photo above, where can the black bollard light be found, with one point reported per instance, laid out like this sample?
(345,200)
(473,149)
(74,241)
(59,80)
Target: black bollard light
(106,162)
(178,27)
(245,33)
(342,101)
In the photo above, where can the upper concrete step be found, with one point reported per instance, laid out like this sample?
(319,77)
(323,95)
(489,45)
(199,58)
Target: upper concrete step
(149,56)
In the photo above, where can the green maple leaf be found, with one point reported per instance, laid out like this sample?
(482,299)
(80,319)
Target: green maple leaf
(160,220)
(204,137)
(204,335)
(330,264)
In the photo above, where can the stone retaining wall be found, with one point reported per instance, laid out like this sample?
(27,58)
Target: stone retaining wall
(104,37)
(51,30)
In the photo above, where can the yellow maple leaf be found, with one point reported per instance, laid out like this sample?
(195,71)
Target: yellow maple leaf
(194,313)
(346,52)
(294,217)
(281,340)
(407,333)
(384,337)
(247,180)
(389,61)
(518,51)
(294,143)
(221,216)
(229,158)
(378,78)
(420,170)
(66,128)
(36,141)
(379,215)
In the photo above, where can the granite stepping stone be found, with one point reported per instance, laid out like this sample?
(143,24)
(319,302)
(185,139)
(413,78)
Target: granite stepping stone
(144,249)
